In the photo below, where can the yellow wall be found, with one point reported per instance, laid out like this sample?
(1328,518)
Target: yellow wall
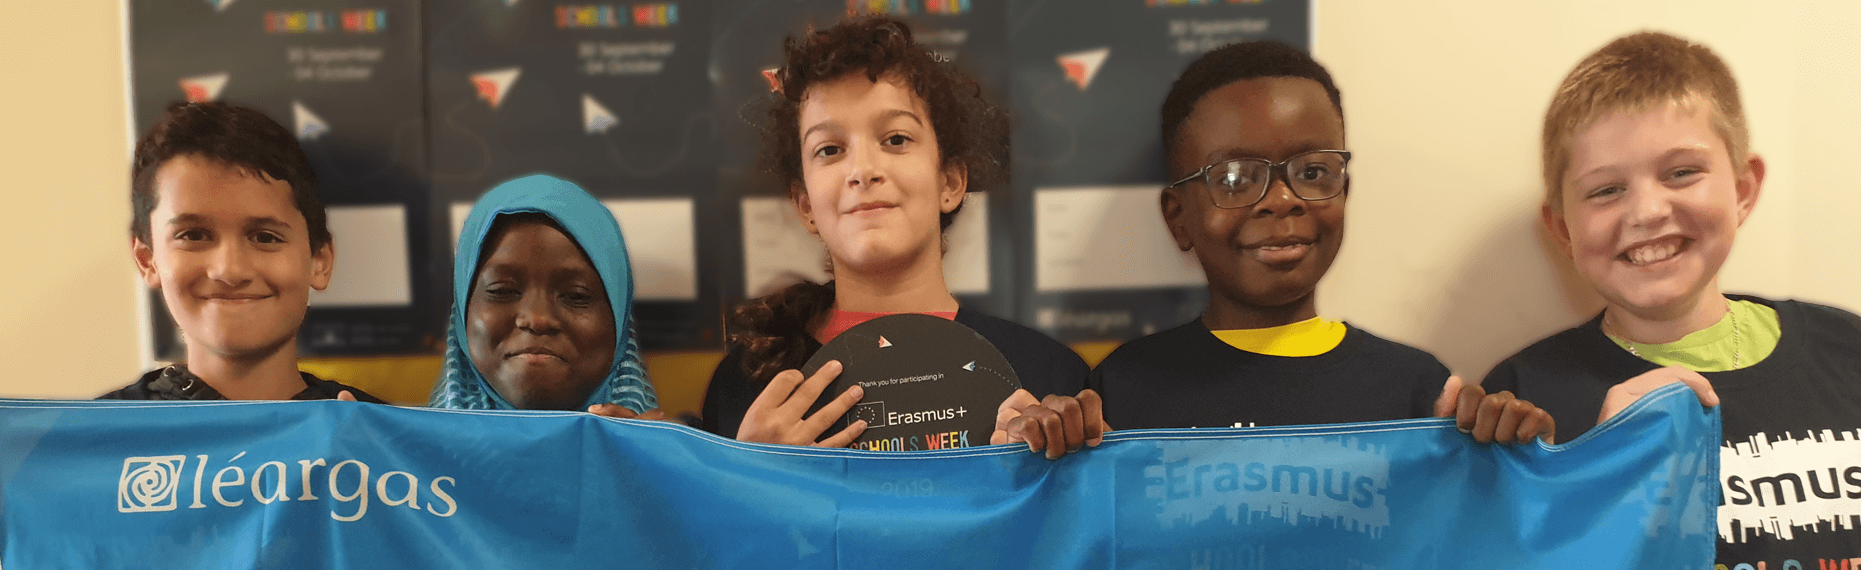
(1444,101)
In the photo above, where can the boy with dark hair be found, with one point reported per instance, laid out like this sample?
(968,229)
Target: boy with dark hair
(229,228)
(1648,175)
(1255,134)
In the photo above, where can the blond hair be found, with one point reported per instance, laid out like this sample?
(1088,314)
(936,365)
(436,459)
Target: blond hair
(1636,73)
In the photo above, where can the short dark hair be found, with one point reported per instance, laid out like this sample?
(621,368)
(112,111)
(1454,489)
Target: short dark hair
(970,131)
(1237,62)
(235,136)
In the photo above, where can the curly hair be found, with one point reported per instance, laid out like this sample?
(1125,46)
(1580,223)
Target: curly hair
(774,331)
(238,137)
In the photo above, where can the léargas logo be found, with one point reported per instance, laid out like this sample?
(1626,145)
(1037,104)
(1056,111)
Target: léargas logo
(153,484)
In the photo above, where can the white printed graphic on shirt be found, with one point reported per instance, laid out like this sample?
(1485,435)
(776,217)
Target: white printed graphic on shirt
(1788,486)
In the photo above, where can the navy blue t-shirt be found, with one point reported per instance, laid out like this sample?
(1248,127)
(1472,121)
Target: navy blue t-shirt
(1790,461)
(1187,377)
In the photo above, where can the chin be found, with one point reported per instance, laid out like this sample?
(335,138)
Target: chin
(242,346)
(1663,299)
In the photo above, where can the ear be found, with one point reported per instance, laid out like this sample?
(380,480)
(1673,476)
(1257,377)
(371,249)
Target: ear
(1554,224)
(322,265)
(1750,184)
(1173,215)
(145,262)
(955,185)
(804,206)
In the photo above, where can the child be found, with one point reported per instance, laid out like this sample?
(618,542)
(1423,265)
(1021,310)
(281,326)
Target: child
(878,141)
(542,307)
(1647,178)
(229,228)
(1265,218)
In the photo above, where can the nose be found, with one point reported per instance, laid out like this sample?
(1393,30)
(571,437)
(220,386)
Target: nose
(864,166)
(230,264)
(1279,200)
(536,313)
(1648,204)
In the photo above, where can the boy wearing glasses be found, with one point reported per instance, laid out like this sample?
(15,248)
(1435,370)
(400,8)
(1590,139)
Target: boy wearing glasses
(1254,133)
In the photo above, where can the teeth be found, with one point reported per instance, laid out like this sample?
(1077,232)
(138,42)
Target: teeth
(1653,253)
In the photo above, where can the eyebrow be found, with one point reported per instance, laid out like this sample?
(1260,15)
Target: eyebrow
(896,113)
(250,222)
(1301,148)
(885,116)
(1665,156)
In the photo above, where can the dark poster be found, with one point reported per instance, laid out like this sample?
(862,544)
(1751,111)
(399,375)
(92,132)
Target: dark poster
(775,249)
(345,76)
(613,96)
(1088,84)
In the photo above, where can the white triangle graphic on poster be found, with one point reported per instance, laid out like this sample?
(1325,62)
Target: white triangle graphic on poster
(884,343)
(204,88)
(492,84)
(220,5)
(971,366)
(596,119)
(309,125)
(1082,66)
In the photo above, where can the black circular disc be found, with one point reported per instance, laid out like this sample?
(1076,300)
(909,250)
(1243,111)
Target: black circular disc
(930,382)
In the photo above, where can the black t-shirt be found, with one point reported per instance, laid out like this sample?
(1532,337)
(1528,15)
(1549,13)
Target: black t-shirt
(176,383)
(1044,366)
(1792,428)
(1187,377)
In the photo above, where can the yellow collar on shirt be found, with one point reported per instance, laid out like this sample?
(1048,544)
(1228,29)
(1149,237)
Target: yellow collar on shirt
(1310,337)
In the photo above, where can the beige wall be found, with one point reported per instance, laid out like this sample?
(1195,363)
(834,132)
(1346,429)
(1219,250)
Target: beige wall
(67,290)
(1444,102)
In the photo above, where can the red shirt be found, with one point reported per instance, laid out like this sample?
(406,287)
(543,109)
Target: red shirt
(839,321)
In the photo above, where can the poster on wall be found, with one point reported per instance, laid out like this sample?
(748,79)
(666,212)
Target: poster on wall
(776,249)
(1088,84)
(345,77)
(613,96)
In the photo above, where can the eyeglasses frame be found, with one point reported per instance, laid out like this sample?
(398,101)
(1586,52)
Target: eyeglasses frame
(1279,168)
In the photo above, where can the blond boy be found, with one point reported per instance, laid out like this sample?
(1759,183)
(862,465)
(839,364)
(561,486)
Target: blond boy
(1648,175)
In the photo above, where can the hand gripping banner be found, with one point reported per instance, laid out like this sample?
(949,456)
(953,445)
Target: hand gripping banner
(344,485)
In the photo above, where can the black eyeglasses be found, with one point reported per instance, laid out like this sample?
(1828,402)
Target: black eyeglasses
(1243,182)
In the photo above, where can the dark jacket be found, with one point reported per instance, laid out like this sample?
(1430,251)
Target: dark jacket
(176,383)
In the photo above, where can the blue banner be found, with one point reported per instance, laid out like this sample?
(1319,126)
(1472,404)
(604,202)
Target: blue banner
(344,485)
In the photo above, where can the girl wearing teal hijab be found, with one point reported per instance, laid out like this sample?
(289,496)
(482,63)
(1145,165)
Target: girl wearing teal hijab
(542,305)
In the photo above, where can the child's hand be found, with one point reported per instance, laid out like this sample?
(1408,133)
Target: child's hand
(345,396)
(777,415)
(1060,424)
(1491,418)
(1621,395)
(619,411)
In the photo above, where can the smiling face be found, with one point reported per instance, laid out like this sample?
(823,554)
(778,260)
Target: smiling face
(538,325)
(1651,202)
(231,255)
(1268,257)
(875,182)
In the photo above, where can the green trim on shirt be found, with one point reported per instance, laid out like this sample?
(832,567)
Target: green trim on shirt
(1711,349)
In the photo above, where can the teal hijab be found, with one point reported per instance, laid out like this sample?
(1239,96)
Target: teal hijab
(591,226)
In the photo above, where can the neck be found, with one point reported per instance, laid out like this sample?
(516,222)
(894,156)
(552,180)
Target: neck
(269,375)
(916,287)
(1224,314)
(1662,327)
